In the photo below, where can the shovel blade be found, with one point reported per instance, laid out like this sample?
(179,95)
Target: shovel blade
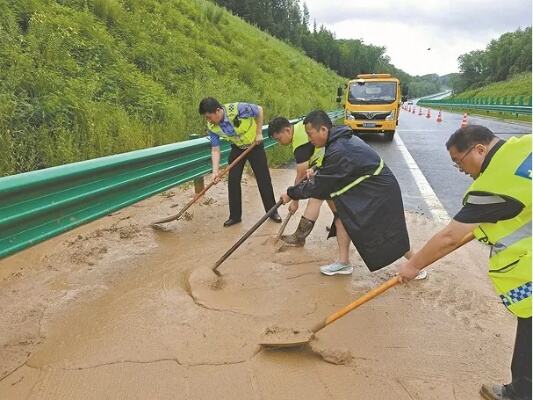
(286,338)
(284,345)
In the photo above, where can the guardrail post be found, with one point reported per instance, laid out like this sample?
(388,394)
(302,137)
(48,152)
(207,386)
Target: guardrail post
(198,182)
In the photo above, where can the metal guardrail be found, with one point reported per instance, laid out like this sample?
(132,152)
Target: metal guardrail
(38,205)
(488,104)
(440,95)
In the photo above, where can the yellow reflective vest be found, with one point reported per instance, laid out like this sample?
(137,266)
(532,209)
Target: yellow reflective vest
(508,175)
(245,128)
(299,138)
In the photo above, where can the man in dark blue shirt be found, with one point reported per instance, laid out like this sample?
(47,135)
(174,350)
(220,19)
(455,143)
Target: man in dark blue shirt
(240,124)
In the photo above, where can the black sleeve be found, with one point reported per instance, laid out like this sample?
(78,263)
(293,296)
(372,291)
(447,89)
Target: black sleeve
(329,178)
(480,213)
(304,152)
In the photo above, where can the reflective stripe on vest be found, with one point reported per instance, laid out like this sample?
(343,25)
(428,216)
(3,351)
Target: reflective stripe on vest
(359,180)
(245,132)
(509,240)
(473,199)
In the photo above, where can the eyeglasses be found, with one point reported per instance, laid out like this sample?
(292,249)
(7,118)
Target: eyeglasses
(457,164)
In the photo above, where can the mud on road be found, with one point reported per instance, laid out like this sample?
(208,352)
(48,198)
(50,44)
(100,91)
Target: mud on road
(105,312)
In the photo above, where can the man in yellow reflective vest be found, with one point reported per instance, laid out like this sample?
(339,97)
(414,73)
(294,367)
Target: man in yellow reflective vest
(240,124)
(497,209)
(307,156)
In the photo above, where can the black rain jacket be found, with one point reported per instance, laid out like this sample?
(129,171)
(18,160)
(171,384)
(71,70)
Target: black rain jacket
(372,212)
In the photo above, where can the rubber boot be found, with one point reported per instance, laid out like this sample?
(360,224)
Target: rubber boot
(297,239)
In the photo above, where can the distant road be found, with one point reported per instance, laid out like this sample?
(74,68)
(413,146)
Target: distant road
(439,96)
(424,140)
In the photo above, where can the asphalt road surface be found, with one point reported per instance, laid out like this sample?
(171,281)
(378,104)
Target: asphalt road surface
(430,180)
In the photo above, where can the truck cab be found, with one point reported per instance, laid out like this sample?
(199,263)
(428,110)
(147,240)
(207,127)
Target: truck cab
(372,104)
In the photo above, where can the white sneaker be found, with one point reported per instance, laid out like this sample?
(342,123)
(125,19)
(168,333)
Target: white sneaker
(336,268)
(421,275)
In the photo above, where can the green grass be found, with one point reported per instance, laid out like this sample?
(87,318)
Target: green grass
(512,89)
(86,78)
(519,85)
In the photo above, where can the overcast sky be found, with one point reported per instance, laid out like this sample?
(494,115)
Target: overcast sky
(408,27)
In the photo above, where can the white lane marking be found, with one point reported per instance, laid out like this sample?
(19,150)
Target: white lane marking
(423,130)
(438,212)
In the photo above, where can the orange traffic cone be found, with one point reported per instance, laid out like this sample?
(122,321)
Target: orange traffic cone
(428,115)
(439,116)
(420,111)
(464,122)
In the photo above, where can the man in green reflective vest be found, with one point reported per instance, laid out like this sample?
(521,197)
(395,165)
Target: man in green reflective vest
(497,209)
(240,124)
(307,156)
(362,192)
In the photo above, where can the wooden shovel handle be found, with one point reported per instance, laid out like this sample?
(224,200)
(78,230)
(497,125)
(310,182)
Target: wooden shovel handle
(371,294)
(282,227)
(237,160)
(361,300)
(205,189)
(247,235)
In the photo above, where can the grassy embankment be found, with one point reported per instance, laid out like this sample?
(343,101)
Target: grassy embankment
(519,85)
(81,79)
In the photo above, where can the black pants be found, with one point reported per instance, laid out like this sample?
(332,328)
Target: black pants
(521,364)
(258,161)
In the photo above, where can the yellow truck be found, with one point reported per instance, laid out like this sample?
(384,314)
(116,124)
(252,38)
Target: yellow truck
(372,104)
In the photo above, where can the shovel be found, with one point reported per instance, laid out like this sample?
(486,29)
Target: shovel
(210,276)
(282,227)
(246,236)
(274,240)
(198,195)
(295,338)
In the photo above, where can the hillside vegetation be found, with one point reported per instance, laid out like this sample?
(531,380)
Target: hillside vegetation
(289,20)
(518,85)
(86,78)
(501,60)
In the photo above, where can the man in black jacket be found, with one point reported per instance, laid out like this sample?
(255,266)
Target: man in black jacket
(365,194)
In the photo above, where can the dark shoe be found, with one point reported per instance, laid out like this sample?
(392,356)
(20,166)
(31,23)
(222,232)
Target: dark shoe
(231,221)
(297,239)
(499,392)
(275,217)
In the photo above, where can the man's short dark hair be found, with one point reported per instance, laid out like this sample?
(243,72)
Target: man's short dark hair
(276,125)
(317,119)
(209,105)
(469,136)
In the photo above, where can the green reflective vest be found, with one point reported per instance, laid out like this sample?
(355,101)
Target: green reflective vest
(245,128)
(508,175)
(299,138)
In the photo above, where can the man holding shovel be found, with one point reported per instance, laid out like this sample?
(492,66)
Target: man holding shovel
(307,156)
(240,124)
(364,194)
(497,208)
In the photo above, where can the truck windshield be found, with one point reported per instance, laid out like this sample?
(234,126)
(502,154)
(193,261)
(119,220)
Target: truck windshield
(372,93)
